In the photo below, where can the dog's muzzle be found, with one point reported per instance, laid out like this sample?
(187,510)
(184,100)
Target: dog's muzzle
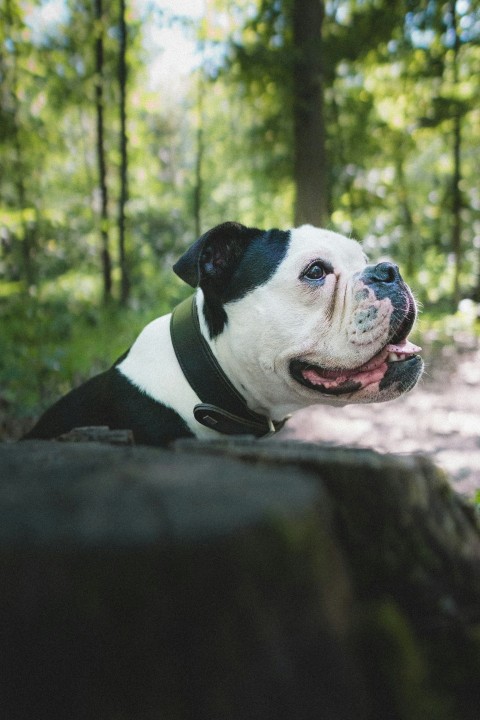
(397,363)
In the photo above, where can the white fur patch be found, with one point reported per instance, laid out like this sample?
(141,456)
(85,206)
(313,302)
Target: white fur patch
(152,366)
(288,318)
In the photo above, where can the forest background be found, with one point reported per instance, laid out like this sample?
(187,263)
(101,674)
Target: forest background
(128,128)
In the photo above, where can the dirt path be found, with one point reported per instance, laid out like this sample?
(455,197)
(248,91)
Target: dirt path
(440,418)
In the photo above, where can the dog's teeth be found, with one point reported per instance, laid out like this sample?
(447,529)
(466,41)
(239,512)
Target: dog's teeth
(397,357)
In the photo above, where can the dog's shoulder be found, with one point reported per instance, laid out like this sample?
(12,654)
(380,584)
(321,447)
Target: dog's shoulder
(128,406)
(111,399)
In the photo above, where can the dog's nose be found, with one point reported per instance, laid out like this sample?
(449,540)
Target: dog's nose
(384,272)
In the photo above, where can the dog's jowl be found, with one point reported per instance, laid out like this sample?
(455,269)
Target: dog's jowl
(279,320)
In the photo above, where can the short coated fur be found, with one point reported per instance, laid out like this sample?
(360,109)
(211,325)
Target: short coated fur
(294,318)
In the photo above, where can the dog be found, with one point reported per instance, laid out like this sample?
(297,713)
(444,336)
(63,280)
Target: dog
(279,320)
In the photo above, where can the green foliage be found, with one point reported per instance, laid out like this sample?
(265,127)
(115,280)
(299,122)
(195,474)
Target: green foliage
(476,500)
(394,82)
(398,80)
(438,329)
(59,336)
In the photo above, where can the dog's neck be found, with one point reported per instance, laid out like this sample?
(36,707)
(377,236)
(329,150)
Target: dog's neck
(260,397)
(222,405)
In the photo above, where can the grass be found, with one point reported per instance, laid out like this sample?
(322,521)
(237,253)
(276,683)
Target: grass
(60,336)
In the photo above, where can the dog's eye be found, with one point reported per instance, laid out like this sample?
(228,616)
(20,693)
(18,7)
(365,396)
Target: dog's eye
(315,271)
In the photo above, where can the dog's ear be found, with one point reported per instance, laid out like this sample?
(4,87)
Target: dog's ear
(215,254)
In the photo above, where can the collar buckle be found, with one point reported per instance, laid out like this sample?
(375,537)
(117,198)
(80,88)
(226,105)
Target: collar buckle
(227,423)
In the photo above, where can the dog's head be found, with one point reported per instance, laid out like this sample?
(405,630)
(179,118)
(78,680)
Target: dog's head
(302,317)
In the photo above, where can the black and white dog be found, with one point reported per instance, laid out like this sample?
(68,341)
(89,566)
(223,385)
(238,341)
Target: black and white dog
(280,320)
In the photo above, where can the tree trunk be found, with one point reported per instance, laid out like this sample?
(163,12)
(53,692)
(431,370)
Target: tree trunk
(457,172)
(197,190)
(122,82)
(310,166)
(406,214)
(26,239)
(235,579)
(456,208)
(102,172)
(20,171)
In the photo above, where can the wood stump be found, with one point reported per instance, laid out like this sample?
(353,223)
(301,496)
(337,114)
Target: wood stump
(234,580)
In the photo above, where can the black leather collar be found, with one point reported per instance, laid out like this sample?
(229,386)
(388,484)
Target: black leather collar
(222,407)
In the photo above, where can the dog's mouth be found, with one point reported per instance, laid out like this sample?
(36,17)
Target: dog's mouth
(340,381)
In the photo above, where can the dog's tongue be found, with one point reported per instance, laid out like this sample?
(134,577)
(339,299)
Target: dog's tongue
(406,347)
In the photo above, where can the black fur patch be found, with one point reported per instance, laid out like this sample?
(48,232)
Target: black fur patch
(405,374)
(258,263)
(111,399)
(386,282)
(256,266)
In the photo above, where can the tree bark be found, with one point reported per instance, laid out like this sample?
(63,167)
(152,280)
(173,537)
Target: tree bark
(235,579)
(102,171)
(457,172)
(310,164)
(20,170)
(457,208)
(406,214)
(26,240)
(198,188)
(122,82)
